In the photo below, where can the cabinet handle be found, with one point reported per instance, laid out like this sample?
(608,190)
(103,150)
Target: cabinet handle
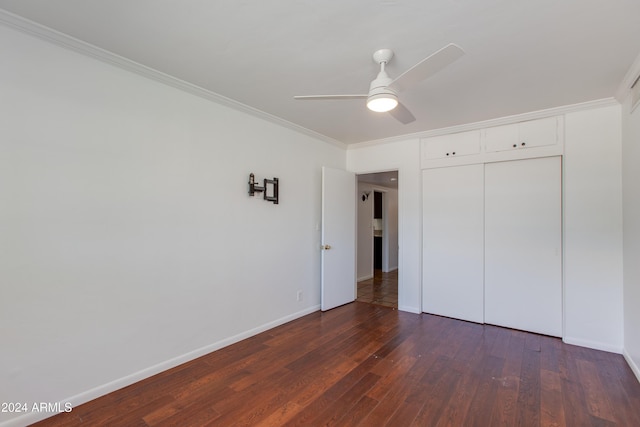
(447,154)
(454,153)
(523,144)
(515,145)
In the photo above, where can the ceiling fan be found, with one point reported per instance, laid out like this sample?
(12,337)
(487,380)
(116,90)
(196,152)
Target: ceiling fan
(383,91)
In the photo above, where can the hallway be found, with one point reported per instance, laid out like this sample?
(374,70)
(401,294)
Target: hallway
(382,289)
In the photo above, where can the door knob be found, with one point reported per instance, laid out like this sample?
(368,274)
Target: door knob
(326,247)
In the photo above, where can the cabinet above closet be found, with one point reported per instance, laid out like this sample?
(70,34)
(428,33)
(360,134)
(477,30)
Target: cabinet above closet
(524,135)
(528,139)
(456,144)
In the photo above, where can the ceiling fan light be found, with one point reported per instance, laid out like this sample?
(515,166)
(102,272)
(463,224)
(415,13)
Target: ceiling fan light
(382,102)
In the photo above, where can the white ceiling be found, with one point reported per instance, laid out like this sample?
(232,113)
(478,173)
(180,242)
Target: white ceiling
(521,56)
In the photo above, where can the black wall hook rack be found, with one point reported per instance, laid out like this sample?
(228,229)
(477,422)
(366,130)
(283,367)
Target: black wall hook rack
(269,189)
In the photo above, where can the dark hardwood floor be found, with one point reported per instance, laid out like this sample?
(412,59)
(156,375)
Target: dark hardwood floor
(381,289)
(368,365)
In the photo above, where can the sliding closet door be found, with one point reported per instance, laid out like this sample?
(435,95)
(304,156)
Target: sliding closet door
(523,245)
(452,239)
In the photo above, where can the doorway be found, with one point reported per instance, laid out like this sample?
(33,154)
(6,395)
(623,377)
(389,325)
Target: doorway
(377,238)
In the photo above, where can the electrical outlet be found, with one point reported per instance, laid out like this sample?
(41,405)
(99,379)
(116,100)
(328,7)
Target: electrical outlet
(299,296)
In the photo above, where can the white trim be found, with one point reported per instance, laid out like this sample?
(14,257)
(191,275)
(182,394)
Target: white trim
(86,396)
(631,363)
(414,310)
(592,344)
(52,36)
(533,115)
(629,78)
(367,277)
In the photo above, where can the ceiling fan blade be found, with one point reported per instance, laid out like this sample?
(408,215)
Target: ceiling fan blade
(427,67)
(402,114)
(322,97)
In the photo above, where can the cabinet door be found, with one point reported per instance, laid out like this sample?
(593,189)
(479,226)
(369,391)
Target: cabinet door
(523,245)
(538,133)
(454,145)
(453,243)
(534,133)
(501,138)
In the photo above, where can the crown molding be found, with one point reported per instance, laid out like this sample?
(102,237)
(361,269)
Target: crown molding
(58,38)
(629,79)
(533,115)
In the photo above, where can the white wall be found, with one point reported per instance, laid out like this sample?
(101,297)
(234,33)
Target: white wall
(365,233)
(390,242)
(128,242)
(404,157)
(593,229)
(631,230)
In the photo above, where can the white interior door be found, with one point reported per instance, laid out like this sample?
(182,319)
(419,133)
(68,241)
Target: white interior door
(453,242)
(523,245)
(338,276)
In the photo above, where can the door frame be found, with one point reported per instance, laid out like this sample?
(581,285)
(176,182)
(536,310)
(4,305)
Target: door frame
(385,219)
(380,189)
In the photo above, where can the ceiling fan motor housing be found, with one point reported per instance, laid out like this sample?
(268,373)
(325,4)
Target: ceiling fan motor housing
(381,84)
(381,98)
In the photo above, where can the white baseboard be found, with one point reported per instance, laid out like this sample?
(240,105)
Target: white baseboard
(592,344)
(86,396)
(632,364)
(414,310)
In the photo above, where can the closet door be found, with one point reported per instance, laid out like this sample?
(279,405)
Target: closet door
(523,245)
(452,240)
